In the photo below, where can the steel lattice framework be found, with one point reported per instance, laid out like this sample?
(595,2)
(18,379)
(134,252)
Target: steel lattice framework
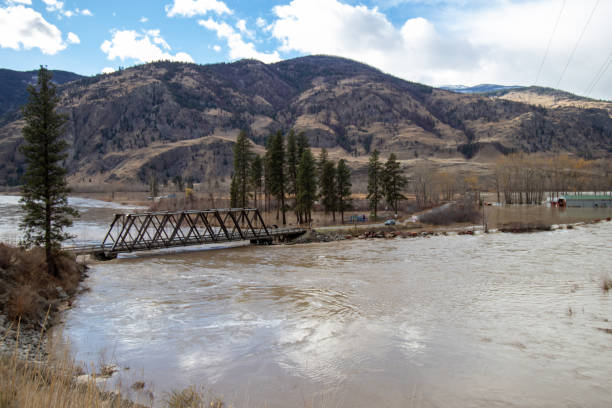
(140,232)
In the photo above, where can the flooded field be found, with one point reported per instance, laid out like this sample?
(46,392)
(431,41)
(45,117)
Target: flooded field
(498,320)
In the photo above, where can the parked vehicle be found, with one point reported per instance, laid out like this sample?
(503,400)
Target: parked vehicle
(390,222)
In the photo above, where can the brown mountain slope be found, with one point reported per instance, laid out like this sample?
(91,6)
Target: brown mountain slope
(175,118)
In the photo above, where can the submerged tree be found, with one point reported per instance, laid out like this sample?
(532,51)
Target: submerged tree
(374,181)
(45,190)
(343,186)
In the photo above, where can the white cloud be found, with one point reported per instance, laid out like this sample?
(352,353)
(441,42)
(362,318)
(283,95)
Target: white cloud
(190,8)
(85,12)
(108,70)
(23,27)
(217,48)
(73,38)
(260,22)
(237,46)
(28,2)
(143,19)
(494,42)
(241,26)
(68,13)
(54,5)
(142,47)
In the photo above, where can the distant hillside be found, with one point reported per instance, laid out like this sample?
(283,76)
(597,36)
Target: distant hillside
(482,88)
(13,84)
(177,118)
(550,98)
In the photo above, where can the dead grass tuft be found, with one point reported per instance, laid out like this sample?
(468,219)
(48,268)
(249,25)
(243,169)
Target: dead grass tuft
(606,284)
(191,397)
(23,302)
(51,384)
(27,290)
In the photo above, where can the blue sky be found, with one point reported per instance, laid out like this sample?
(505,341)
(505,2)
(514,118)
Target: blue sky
(431,41)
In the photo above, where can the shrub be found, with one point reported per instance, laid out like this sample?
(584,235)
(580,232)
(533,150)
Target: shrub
(464,210)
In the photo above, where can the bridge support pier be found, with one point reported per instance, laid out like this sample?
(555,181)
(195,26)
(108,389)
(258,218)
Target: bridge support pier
(104,256)
(262,241)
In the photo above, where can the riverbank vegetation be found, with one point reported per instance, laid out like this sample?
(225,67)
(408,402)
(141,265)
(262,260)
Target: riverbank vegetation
(527,179)
(28,290)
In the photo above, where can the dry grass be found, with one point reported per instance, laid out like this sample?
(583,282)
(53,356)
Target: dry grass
(57,382)
(50,384)
(27,291)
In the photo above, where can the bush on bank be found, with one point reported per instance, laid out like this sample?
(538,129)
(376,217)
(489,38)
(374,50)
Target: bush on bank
(27,290)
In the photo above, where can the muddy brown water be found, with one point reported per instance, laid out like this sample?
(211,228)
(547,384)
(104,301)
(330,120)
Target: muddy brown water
(498,320)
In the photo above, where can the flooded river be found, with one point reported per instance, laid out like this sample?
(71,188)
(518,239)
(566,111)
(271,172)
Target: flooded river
(498,320)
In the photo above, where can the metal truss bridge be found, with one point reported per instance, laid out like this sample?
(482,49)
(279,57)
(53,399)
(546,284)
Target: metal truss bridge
(148,231)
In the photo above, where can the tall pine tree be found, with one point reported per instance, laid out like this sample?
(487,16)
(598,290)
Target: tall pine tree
(343,186)
(327,185)
(307,185)
(255,177)
(45,190)
(292,160)
(393,182)
(276,166)
(374,181)
(239,191)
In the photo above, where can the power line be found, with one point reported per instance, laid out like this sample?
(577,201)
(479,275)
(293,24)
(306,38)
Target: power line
(600,73)
(577,42)
(549,42)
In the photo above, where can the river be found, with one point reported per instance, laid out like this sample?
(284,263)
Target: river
(497,320)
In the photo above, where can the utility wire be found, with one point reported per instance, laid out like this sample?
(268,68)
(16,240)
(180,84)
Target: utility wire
(549,42)
(577,42)
(600,73)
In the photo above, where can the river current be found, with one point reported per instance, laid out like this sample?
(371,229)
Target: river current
(497,320)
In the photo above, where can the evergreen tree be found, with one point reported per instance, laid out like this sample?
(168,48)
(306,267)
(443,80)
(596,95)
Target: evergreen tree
(327,184)
(343,185)
(307,185)
(276,167)
(320,164)
(374,181)
(292,165)
(302,144)
(178,182)
(393,182)
(153,183)
(45,190)
(239,191)
(256,177)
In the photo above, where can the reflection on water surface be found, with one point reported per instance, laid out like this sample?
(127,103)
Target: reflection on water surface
(457,321)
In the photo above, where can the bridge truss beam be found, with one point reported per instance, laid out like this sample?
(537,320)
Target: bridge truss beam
(137,232)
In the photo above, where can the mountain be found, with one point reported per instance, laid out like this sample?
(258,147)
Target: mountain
(13,92)
(550,98)
(482,88)
(178,118)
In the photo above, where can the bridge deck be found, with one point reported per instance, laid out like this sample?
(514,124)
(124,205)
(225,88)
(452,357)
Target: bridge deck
(149,231)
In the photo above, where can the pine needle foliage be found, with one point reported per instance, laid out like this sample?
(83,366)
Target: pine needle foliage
(45,190)
(239,189)
(393,182)
(375,172)
(343,185)
(307,185)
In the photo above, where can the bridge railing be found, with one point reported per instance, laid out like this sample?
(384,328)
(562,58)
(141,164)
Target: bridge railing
(133,232)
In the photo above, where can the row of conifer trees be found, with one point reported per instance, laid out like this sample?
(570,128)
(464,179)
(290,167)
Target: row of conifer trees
(289,175)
